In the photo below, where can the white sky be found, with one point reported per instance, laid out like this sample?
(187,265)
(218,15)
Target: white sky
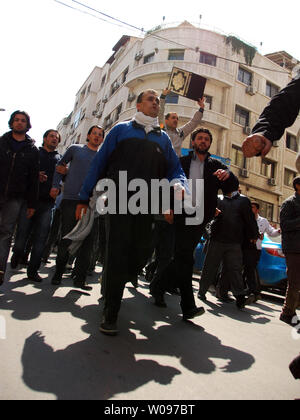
(48,50)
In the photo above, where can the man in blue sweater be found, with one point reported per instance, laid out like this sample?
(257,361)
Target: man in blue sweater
(141,150)
(79,159)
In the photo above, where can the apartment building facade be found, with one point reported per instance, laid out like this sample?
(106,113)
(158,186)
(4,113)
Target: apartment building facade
(235,94)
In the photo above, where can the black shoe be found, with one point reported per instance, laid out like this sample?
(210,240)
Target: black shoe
(173,291)
(242,301)
(202,297)
(192,313)
(15,260)
(82,286)
(35,278)
(159,301)
(225,299)
(291,320)
(1,278)
(108,328)
(56,279)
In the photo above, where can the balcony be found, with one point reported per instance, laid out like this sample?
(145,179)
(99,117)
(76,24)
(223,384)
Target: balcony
(164,68)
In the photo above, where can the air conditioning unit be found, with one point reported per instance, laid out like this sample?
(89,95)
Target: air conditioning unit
(139,55)
(244,173)
(94,113)
(247,130)
(131,97)
(250,90)
(272,182)
(98,115)
(105,99)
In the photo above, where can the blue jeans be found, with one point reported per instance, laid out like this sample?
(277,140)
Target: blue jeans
(9,213)
(39,227)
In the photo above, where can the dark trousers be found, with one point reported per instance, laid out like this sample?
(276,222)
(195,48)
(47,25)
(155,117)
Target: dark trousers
(54,234)
(251,259)
(181,268)
(83,255)
(129,245)
(232,258)
(292,295)
(164,238)
(9,213)
(37,229)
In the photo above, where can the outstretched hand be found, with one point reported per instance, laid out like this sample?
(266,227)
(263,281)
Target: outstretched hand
(256,145)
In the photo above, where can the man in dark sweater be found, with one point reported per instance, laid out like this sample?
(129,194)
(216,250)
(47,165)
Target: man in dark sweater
(19,180)
(290,227)
(39,224)
(234,222)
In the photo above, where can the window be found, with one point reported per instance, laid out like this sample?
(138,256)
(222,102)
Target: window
(89,88)
(176,55)
(271,89)
(267,168)
(172,98)
(118,112)
(209,59)
(103,80)
(245,76)
(208,102)
(77,119)
(124,75)
(242,116)
(238,158)
(289,177)
(149,58)
(291,142)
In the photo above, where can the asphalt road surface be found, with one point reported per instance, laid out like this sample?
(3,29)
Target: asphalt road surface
(51,347)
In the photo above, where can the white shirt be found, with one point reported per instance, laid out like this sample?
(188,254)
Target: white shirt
(265,227)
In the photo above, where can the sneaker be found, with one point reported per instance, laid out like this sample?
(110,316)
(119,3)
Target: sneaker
(109,328)
(192,313)
(36,278)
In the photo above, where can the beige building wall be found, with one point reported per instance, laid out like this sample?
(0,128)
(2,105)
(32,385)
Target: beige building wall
(141,63)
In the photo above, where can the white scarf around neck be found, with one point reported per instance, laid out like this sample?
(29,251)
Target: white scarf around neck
(149,123)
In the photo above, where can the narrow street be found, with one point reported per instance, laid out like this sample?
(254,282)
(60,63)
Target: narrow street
(52,349)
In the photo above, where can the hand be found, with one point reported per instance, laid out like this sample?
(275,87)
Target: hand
(54,192)
(256,144)
(166,92)
(179,192)
(30,213)
(81,210)
(169,216)
(201,102)
(62,169)
(222,174)
(218,211)
(43,177)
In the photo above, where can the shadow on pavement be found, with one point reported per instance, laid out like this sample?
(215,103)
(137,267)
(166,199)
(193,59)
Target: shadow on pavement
(101,367)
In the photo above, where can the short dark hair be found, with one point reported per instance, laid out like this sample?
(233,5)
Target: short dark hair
(296,181)
(49,131)
(140,97)
(230,185)
(91,129)
(169,114)
(12,117)
(256,204)
(202,130)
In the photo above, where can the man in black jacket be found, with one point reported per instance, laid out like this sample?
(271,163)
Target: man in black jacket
(279,114)
(19,178)
(39,225)
(234,223)
(290,227)
(198,165)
